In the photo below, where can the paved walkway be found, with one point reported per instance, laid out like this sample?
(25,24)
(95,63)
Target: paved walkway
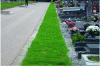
(17,28)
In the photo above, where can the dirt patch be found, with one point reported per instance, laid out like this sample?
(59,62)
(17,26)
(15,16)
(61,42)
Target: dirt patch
(5,11)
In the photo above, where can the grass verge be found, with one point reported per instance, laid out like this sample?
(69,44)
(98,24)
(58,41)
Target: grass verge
(5,5)
(48,48)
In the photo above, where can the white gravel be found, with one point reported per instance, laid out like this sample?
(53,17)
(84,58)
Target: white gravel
(72,54)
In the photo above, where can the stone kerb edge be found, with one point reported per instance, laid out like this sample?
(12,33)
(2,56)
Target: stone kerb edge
(87,62)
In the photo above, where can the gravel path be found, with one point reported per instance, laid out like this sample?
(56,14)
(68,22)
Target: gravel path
(72,54)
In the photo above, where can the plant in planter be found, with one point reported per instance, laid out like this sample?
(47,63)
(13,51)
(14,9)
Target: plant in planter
(94,58)
(61,4)
(90,60)
(74,29)
(78,4)
(78,38)
(93,30)
(95,18)
(94,9)
(72,4)
(85,25)
(84,18)
(70,24)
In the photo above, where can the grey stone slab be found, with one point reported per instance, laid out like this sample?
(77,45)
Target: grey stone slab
(93,45)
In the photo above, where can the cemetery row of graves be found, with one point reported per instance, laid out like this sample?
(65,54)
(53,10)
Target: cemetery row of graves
(80,28)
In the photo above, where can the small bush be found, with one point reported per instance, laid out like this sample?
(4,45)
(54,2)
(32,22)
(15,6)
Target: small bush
(78,38)
(72,4)
(84,18)
(61,4)
(94,58)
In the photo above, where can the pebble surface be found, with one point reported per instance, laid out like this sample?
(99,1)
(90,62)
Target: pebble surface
(72,54)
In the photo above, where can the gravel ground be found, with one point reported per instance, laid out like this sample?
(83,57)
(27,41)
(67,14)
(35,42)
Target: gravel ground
(72,54)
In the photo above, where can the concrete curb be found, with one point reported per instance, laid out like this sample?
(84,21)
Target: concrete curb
(24,50)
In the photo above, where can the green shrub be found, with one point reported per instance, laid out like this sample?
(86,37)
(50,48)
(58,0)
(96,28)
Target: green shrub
(72,4)
(61,4)
(78,38)
(84,18)
(94,58)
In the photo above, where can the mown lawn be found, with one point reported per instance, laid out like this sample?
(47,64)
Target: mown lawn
(5,5)
(48,48)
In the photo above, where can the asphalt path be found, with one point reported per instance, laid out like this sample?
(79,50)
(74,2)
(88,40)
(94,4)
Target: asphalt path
(16,28)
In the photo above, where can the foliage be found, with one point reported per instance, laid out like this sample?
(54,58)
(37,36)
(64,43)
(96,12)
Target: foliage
(58,0)
(78,38)
(72,4)
(78,4)
(5,5)
(94,8)
(70,24)
(61,4)
(94,29)
(48,48)
(74,29)
(86,25)
(95,18)
(84,18)
(94,58)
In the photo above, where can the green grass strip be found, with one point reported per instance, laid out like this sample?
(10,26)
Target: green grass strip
(48,48)
(5,5)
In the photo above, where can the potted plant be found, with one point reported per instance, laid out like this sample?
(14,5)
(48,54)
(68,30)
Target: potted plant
(85,25)
(95,18)
(73,30)
(93,30)
(90,59)
(69,23)
(84,18)
(78,4)
(78,38)
(94,58)
(72,4)
(61,4)
(94,9)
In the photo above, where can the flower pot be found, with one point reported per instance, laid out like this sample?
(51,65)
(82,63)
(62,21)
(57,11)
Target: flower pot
(87,62)
(72,33)
(93,34)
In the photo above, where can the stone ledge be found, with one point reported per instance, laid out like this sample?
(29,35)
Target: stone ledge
(87,62)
